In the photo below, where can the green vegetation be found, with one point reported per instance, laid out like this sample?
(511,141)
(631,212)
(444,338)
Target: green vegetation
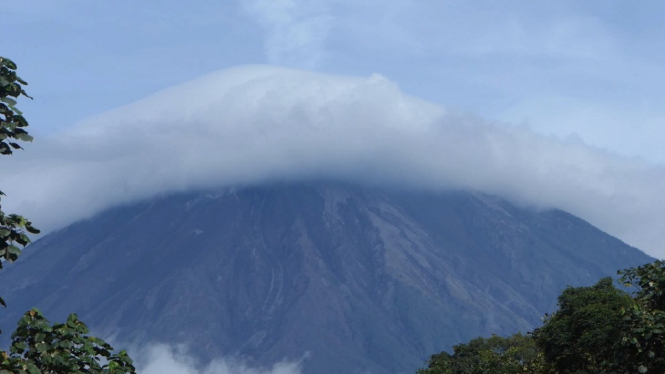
(582,335)
(498,355)
(37,346)
(12,130)
(597,329)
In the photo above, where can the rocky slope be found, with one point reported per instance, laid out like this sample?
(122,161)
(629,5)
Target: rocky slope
(359,279)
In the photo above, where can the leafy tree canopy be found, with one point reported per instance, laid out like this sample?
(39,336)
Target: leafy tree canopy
(582,336)
(38,347)
(596,330)
(12,130)
(494,355)
(643,341)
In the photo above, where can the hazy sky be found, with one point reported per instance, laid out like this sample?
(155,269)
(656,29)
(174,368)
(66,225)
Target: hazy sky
(554,104)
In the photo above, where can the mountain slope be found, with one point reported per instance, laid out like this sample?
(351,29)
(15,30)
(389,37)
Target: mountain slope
(358,279)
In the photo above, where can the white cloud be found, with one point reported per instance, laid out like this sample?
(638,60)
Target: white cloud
(257,123)
(164,359)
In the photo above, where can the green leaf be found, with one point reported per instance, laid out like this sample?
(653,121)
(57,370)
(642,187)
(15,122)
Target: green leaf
(14,250)
(4,61)
(9,101)
(24,137)
(31,229)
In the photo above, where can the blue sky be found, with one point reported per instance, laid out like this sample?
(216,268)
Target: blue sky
(592,69)
(553,104)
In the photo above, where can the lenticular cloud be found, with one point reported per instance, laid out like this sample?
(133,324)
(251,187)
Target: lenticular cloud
(254,124)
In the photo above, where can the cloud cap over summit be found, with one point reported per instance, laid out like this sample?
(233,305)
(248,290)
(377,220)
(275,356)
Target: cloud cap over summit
(252,124)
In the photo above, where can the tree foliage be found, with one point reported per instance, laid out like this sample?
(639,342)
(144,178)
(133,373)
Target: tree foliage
(13,227)
(643,343)
(38,347)
(597,329)
(583,335)
(494,355)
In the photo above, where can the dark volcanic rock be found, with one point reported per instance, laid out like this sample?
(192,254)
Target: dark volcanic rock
(363,280)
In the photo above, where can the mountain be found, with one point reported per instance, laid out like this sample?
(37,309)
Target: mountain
(358,279)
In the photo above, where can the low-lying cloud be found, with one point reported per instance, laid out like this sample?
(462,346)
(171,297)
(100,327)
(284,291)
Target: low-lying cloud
(165,359)
(252,124)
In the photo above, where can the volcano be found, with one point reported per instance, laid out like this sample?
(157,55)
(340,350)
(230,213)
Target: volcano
(350,279)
